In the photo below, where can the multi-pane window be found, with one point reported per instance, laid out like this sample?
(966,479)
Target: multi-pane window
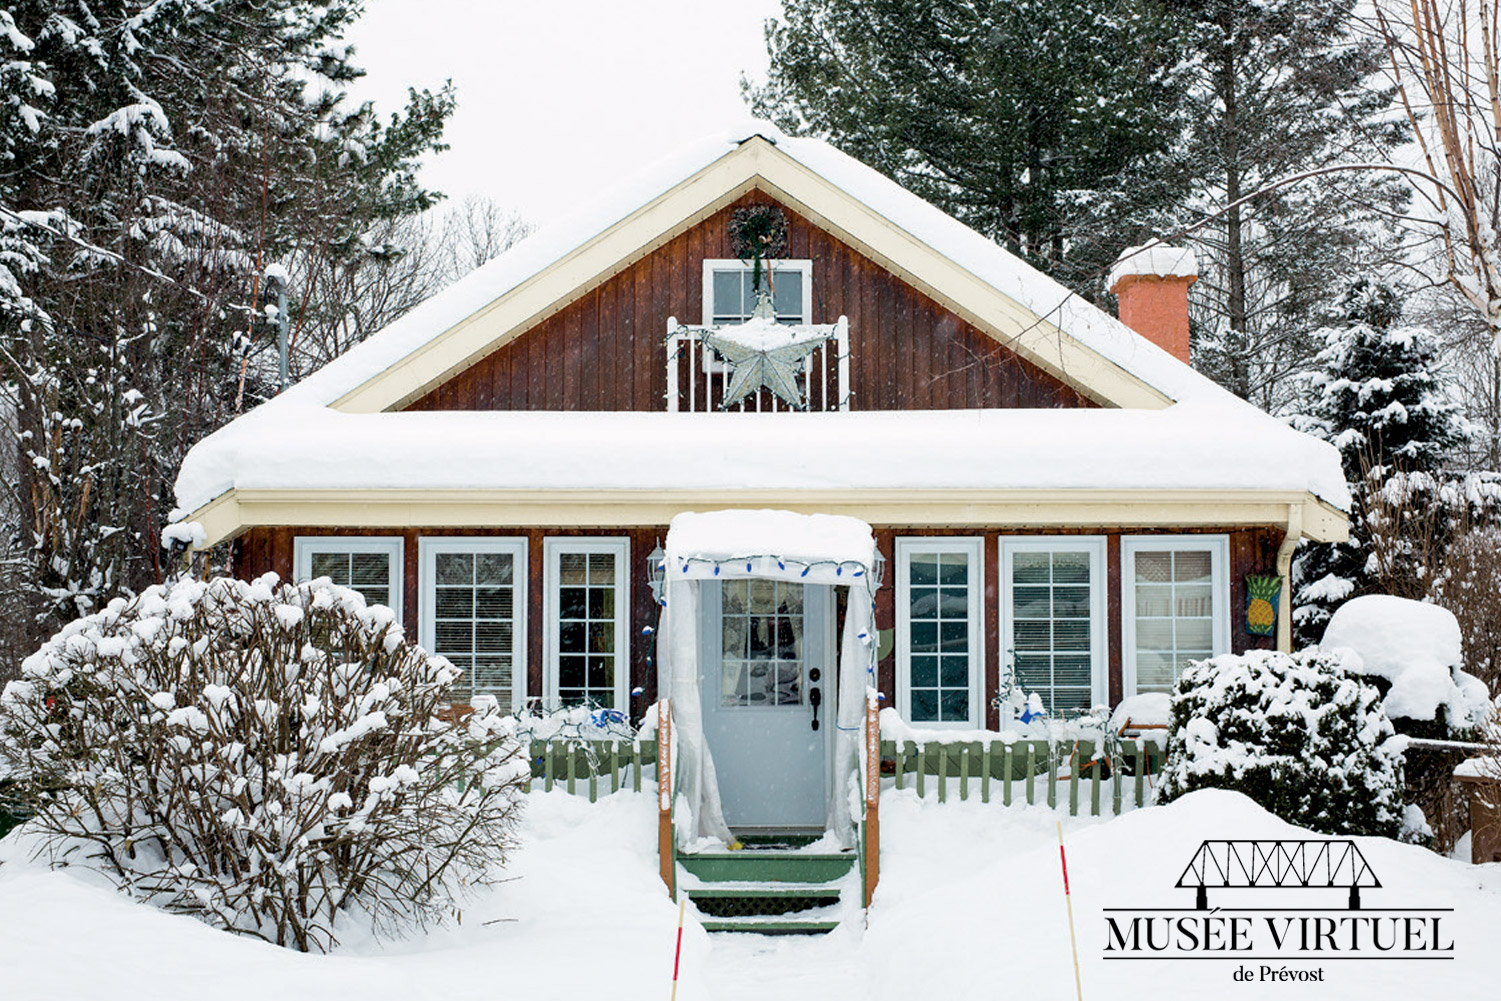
(1052,607)
(761,636)
(939,638)
(730,291)
(473,612)
(1176,601)
(371,566)
(587,620)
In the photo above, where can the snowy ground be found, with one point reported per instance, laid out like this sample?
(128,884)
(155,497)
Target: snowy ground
(969,907)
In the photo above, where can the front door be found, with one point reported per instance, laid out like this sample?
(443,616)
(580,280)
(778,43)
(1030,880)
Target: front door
(768,696)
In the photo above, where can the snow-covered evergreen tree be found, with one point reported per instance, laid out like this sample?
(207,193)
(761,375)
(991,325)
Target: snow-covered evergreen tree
(1380,400)
(1044,124)
(1279,87)
(156,158)
(1299,733)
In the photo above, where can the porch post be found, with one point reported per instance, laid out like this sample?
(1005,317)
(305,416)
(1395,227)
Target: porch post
(666,850)
(872,797)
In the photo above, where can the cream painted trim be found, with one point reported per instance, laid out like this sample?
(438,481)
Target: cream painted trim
(232,513)
(1295,531)
(755,163)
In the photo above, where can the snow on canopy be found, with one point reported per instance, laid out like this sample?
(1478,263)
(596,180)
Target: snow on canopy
(1417,648)
(1185,446)
(807,538)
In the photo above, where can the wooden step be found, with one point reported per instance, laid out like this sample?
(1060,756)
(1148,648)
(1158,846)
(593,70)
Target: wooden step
(770,925)
(768,866)
(718,901)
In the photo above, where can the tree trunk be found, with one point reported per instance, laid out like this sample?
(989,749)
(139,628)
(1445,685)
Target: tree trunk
(1235,264)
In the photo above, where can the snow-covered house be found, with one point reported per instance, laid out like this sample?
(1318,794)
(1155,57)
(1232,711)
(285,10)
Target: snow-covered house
(1028,492)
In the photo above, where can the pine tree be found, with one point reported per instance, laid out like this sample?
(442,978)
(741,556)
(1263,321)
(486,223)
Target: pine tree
(1278,88)
(1044,124)
(157,158)
(1381,402)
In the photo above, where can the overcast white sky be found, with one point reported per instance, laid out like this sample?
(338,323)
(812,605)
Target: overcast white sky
(557,97)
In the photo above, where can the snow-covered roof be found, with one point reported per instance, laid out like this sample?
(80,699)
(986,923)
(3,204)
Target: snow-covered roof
(977,254)
(1185,446)
(1209,440)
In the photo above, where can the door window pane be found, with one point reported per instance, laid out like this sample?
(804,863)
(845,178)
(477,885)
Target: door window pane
(761,643)
(1174,611)
(940,636)
(1052,627)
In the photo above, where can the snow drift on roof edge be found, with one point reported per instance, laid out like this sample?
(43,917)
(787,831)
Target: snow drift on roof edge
(991,263)
(1185,446)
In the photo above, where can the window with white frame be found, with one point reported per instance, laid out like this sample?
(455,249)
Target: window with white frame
(1053,619)
(474,612)
(369,565)
(587,615)
(939,633)
(730,293)
(1176,598)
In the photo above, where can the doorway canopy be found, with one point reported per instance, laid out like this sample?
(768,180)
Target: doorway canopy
(776,545)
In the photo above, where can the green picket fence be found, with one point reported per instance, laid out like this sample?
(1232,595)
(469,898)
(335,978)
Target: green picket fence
(1028,770)
(595,765)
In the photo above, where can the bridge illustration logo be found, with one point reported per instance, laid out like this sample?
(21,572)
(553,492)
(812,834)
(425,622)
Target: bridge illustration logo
(1321,911)
(1323,865)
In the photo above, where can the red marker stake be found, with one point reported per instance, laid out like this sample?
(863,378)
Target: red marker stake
(1072,939)
(677,956)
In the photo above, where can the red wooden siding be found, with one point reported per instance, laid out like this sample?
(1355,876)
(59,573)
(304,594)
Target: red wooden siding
(1251,551)
(606,350)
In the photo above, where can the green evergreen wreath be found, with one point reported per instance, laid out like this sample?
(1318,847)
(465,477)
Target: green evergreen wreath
(757,233)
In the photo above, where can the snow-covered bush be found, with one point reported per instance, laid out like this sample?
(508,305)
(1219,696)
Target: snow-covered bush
(1413,651)
(270,758)
(1298,733)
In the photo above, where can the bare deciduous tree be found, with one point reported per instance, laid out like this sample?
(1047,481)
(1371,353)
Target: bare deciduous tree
(1445,57)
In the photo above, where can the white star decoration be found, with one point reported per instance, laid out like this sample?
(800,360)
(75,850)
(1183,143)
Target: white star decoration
(763,353)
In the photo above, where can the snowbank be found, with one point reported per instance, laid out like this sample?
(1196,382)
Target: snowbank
(1416,648)
(970,904)
(1180,447)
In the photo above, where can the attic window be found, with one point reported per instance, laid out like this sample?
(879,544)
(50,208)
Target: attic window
(730,293)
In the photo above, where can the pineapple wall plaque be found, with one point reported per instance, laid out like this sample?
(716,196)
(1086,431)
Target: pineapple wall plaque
(1262,593)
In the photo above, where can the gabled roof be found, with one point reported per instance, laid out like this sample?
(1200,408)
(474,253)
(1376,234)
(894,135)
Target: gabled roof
(335,432)
(965,271)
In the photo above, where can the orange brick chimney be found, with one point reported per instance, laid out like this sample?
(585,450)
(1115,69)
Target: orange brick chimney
(1152,288)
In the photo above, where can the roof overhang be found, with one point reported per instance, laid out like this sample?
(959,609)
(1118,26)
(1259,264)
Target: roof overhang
(238,510)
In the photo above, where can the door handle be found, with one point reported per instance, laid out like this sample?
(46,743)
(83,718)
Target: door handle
(815,699)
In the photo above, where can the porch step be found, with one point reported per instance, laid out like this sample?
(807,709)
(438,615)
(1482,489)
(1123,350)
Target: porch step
(768,891)
(754,925)
(768,866)
(739,900)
